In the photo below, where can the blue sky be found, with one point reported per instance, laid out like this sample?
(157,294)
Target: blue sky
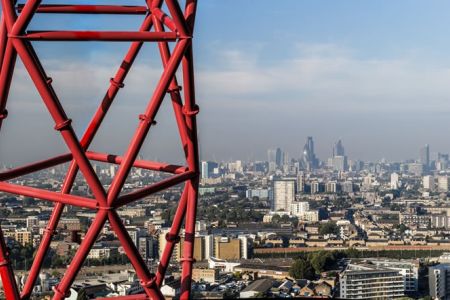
(269,73)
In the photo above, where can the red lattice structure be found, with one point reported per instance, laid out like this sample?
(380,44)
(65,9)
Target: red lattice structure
(164,22)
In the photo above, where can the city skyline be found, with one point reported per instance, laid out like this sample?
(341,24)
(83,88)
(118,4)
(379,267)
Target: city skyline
(384,96)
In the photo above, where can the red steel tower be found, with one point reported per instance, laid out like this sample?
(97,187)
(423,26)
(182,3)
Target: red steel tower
(165,23)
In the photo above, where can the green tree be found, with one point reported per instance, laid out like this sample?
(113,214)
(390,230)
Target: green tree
(276,219)
(29,201)
(402,228)
(285,218)
(302,269)
(328,228)
(322,261)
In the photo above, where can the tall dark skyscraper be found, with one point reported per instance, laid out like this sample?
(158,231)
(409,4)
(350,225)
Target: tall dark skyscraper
(338,149)
(309,159)
(276,158)
(279,157)
(425,156)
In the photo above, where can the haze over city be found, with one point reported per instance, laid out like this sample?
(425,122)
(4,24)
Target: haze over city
(350,71)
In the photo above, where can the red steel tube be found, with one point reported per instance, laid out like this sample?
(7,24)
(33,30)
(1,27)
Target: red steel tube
(25,17)
(165,19)
(193,163)
(147,279)
(172,238)
(3,39)
(81,254)
(112,36)
(175,89)
(37,166)
(189,239)
(6,272)
(48,195)
(154,188)
(3,45)
(144,164)
(6,73)
(89,9)
(178,17)
(189,13)
(191,109)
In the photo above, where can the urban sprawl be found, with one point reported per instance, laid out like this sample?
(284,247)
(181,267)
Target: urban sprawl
(276,228)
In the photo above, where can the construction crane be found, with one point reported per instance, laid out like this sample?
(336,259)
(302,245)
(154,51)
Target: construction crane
(169,25)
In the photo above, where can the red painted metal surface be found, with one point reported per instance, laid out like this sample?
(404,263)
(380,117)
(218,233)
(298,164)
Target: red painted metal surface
(176,26)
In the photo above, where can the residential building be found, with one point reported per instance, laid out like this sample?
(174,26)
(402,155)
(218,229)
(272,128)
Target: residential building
(23,237)
(364,281)
(256,288)
(227,248)
(207,168)
(428,183)
(439,281)
(283,194)
(443,184)
(395,179)
(407,268)
(206,275)
(299,208)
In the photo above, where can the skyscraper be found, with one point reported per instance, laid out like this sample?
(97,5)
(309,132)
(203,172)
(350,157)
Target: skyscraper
(271,155)
(279,157)
(276,158)
(425,156)
(338,149)
(309,159)
(339,160)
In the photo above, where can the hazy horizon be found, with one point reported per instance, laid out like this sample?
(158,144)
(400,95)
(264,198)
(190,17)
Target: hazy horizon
(374,74)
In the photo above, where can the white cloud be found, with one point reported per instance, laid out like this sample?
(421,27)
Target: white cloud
(243,98)
(326,74)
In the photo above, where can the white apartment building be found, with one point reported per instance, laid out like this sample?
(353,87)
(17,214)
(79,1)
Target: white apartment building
(364,281)
(443,183)
(428,183)
(283,194)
